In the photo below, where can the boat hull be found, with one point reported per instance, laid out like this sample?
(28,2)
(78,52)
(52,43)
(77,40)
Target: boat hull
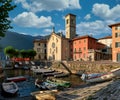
(16,79)
(9,89)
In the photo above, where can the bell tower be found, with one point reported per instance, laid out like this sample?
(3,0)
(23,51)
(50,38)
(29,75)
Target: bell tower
(70,26)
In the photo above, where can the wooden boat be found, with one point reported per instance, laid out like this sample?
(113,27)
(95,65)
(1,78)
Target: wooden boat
(116,72)
(100,77)
(10,88)
(45,95)
(61,75)
(42,71)
(52,74)
(59,83)
(16,79)
(45,85)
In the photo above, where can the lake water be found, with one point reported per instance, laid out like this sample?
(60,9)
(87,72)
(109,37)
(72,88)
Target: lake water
(26,87)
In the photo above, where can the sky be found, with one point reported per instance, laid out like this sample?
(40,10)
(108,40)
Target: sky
(38,17)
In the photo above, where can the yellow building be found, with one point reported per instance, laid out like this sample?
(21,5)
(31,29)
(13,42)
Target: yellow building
(57,47)
(40,46)
(115,42)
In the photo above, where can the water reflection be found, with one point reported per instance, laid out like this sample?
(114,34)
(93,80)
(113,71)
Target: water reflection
(75,80)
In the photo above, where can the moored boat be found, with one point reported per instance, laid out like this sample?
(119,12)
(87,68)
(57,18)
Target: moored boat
(60,83)
(100,77)
(16,79)
(61,75)
(10,88)
(45,95)
(45,85)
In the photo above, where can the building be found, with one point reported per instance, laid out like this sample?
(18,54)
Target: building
(57,47)
(70,26)
(108,42)
(70,46)
(87,48)
(40,46)
(115,42)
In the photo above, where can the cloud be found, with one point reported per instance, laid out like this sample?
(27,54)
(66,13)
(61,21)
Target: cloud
(103,11)
(95,28)
(29,19)
(48,5)
(87,17)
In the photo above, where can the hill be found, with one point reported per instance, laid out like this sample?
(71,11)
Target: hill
(18,41)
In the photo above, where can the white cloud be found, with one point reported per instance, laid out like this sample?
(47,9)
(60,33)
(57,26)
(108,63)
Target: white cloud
(29,19)
(48,31)
(48,5)
(87,17)
(104,11)
(96,28)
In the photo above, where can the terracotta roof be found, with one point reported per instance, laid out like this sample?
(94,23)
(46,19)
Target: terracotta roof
(114,24)
(107,37)
(82,37)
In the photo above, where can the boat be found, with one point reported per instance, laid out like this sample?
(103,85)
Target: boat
(52,74)
(45,95)
(101,77)
(116,72)
(16,79)
(10,88)
(79,73)
(45,85)
(61,75)
(42,71)
(59,83)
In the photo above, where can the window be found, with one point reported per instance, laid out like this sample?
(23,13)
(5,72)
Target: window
(38,49)
(38,44)
(79,41)
(117,34)
(67,21)
(84,41)
(117,28)
(117,44)
(79,49)
(72,21)
(75,50)
(44,45)
(84,48)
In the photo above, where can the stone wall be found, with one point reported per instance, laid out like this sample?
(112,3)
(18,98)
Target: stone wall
(89,67)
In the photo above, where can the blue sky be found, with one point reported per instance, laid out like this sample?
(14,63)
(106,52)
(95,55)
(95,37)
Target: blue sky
(37,17)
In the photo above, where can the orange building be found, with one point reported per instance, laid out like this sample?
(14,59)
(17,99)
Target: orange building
(86,48)
(115,42)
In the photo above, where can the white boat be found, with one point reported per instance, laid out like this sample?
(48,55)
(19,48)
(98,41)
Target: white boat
(10,88)
(100,77)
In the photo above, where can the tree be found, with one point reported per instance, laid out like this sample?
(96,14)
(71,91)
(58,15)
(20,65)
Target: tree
(23,53)
(5,8)
(31,53)
(10,51)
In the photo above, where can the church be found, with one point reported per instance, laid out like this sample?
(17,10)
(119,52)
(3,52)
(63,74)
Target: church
(60,47)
